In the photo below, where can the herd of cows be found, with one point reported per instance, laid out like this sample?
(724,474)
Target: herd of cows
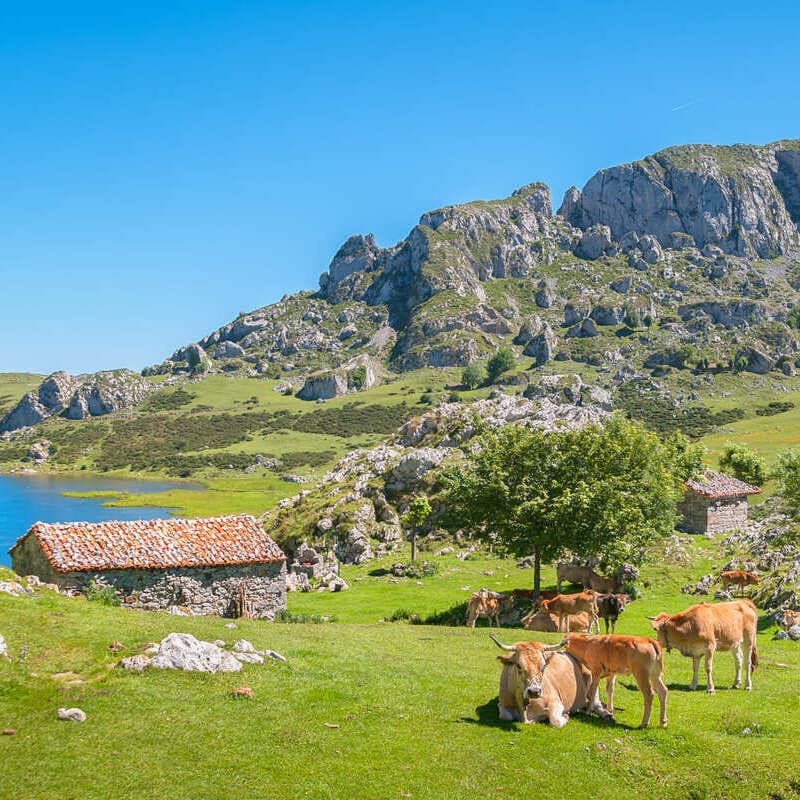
(542,682)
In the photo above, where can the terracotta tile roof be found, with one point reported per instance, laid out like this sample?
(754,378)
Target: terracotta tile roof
(715,484)
(154,544)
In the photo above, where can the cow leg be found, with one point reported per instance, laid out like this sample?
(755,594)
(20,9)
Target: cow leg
(613,625)
(736,652)
(661,691)
(695,672)
(610,682)
(643,682)
(749,644)
(709,670)
(506,714)
(556,715)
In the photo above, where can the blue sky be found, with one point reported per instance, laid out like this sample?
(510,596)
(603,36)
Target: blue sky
(164,165)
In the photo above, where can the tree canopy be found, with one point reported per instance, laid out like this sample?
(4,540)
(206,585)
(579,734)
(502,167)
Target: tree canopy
(601,491)
(744,464)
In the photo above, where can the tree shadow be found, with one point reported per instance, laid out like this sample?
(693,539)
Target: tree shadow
(379,572)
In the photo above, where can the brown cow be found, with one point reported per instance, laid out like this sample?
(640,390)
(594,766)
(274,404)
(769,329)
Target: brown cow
(604,585)
(574,574)
(703,629)
(536,685)
(788,619)
(567,605)
(548,623)
(612,654)
(738,577)
(487,604)
(527,594)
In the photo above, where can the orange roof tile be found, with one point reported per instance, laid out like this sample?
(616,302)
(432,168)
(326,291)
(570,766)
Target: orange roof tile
(154,544)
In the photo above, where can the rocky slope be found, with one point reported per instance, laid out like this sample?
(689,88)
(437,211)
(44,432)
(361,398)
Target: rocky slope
(694,246)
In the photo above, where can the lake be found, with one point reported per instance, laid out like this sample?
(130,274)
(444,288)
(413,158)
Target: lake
(25,499)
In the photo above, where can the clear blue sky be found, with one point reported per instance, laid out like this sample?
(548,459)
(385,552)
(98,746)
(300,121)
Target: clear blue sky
(164,165)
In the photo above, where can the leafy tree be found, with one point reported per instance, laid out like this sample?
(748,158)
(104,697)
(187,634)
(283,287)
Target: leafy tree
(603,491)
(632,317)
(787,471)
(418,511)
(793,317)
(744,464)
(473,375)
(502,361)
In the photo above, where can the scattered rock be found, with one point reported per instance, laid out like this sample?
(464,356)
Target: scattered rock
(243,646)
(71,715)
(182,651)
(4,649)
(136,663)
(794,633)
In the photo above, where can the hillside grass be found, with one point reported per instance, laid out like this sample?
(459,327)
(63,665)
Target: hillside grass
(13,385)
(415,706)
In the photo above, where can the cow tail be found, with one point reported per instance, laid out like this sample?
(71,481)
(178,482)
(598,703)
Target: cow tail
(754,657)
(659,654)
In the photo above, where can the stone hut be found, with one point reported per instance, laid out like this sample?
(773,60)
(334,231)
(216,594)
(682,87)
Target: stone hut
(715,503)
(222,565)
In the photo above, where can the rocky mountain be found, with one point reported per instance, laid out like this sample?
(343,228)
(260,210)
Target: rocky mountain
(694,247)
(61,394)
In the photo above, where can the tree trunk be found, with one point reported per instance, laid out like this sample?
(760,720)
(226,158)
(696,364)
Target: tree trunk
(537,573)
(413,538)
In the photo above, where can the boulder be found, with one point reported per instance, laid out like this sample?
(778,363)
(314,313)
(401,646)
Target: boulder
(71,715)
(542,346)
(414,465)
(182,651)
(794,633)
(585,330)
(594,242)
(323,386)
(530,328)
(4,649)
(39,452)
(229,350)
(755,361)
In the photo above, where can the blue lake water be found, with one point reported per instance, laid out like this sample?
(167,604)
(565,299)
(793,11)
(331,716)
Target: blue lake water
(25,499)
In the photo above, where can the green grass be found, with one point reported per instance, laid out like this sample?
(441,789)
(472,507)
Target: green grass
(13,385)
(416,708)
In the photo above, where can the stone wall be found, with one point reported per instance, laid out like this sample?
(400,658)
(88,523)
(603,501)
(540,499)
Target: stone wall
(198,590)
(710,515)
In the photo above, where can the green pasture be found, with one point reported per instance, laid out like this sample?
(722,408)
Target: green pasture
(371,709)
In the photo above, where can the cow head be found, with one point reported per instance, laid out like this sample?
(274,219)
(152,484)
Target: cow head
(528,660)
(659,625)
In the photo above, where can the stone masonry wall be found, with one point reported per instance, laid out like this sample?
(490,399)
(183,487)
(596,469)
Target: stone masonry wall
(200,590)
(710,515)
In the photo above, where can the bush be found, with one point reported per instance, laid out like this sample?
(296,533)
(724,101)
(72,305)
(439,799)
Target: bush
(793,317)
(775,407)
(423,570)
(284,615)
(502,361)
(100,592)
(429,398)
(473,375)
(743,464)
(401,615)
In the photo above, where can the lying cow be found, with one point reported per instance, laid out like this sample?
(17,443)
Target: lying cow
(738,577)
(610,655)
(703,629)
(548,623)
(537,685)
(487,604)
(610,606)
(521,595)
(567,605)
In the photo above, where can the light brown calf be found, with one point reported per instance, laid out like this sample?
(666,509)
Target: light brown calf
(548,623)
(610,655)
(537,685)
(487,604)
(703,629)
(738,577)
(567,605)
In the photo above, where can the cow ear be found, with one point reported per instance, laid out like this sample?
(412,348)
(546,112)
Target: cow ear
(506,658)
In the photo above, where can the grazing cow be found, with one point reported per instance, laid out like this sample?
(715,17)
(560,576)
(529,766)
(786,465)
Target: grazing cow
(610,606)
(788,619)
(487,604)
(703,629)
(610,655)
(537,685)
(738,577)
(574,574)
(567,605)
(548,623)
(604,585)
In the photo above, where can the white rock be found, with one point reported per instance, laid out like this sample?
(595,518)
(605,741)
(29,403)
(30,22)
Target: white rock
(71,715)
(4,649)
(219,642)
(243,646)
(231,625)
(272,654)
(183,651)
(135,663)
(249,658)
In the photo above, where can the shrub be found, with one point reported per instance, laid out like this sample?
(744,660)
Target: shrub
(502,361)
(284,615)
(793,317)
(401,615)
(423,570)
(100,592)
(429,398)
(775,407)
(473,375)
(743,464)
(358,377)
(168,401)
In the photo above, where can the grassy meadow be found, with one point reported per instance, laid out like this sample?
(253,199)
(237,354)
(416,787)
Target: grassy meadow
(414,706)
